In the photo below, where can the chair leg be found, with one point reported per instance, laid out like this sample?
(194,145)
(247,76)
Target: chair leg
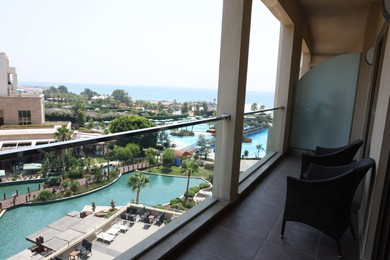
(340,256)
(283,226)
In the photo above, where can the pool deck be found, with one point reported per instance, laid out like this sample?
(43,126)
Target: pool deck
(62,236)
(123,241)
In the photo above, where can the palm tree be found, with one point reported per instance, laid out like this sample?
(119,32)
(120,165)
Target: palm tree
(188,167)
(63,134)
(136,181)
(259,148)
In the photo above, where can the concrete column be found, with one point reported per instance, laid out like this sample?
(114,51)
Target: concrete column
(290,45)
(236,20)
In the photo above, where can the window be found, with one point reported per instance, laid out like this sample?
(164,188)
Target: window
(24,117)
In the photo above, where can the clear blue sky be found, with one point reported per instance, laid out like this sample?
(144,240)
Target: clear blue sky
(129,42)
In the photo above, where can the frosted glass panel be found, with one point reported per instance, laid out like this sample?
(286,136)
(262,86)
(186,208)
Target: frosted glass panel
(323,103)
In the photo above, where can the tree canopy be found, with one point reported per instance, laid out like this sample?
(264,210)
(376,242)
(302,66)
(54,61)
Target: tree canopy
(136,182)
(133,122)
(121,96)
(62,134)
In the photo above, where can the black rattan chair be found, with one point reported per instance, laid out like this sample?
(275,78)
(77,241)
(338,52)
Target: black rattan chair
(330,156)
(160,218)
(85,249)
(325,204)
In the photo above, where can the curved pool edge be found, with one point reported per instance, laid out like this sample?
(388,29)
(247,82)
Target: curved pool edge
(27,204)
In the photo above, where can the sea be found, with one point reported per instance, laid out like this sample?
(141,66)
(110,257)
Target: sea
(159,93)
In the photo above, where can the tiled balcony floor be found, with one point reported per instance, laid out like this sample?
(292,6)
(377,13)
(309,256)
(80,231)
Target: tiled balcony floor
(250,228)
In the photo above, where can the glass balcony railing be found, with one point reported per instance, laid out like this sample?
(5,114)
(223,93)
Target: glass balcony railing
(258,139)
(53,171)
(66,169)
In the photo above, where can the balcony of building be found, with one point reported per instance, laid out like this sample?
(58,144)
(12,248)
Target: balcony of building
(242,218)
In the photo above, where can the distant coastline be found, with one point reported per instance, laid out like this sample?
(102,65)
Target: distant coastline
(181,94)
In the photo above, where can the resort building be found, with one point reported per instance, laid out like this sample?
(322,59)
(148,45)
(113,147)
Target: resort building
(332,87)
(16,107)
(19,108)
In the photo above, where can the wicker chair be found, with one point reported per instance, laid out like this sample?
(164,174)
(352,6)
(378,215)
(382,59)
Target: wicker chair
(330,156)
(325,204)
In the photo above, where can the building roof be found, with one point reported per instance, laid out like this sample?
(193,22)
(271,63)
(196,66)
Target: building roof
(182,153)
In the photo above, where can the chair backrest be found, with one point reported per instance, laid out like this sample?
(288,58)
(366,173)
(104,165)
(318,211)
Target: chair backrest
(355,145)
(88,246)
(342,156)
(328,200)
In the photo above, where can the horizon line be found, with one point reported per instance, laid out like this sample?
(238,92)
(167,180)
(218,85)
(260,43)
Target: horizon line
(56,84)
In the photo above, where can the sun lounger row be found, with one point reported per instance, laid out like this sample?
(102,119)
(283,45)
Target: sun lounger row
(118,226)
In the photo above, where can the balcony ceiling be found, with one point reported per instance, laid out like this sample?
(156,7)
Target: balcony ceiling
(335,26)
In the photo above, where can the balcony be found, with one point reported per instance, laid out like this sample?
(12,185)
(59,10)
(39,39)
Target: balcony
(239,219)
(193,218)
(250,228)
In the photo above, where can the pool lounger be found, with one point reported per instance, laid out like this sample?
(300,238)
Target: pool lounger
(121,225)
(104,236)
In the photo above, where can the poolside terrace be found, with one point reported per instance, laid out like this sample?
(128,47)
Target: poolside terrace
(64,236)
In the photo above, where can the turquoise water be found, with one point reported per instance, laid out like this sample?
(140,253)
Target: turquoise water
(18,223)
(21,188)
(257,138)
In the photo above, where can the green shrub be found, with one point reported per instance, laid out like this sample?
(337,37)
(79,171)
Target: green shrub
(74,185)
(204,185)
(178,206)
(195,189)
(68,193)
(191,193)
(114,174)
(45,195)
(175,201)
(75,175)
(189,204)
(53,181)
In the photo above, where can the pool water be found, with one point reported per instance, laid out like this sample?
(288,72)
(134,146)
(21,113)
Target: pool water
(22,188)
(18,223)
(257,138)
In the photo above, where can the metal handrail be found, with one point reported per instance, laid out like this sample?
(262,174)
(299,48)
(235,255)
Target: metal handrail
(262,111)
(28,151)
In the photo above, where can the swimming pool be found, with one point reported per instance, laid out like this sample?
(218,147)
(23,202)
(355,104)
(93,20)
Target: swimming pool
(21,222)
(22,187)
(257,138)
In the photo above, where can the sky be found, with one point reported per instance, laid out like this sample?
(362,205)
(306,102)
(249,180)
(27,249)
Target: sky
(130,42)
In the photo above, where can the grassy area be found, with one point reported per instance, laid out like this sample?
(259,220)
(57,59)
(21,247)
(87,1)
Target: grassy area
(174,170)
(100,160)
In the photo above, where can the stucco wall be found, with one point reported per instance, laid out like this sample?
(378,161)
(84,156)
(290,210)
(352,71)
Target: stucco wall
(11,105)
